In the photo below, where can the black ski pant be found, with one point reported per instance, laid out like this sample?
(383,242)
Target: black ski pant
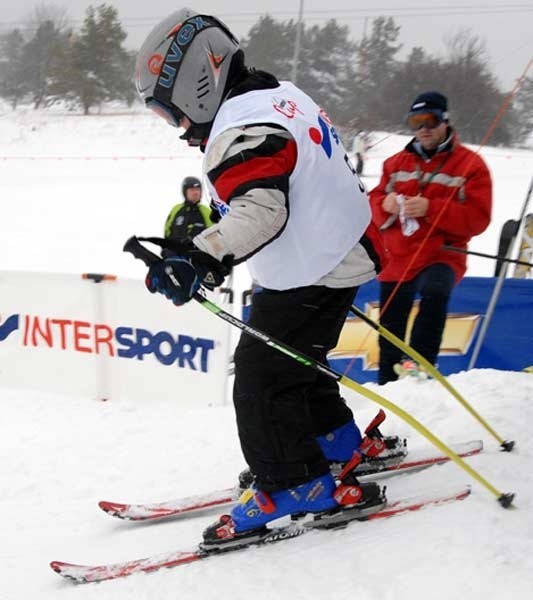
(434,285)
(280,404)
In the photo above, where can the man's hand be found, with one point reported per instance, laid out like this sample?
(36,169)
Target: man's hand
(390,204)
(415,206)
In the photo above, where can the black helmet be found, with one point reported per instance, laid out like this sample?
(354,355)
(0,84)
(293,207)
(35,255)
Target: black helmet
(183,67)
(190,182)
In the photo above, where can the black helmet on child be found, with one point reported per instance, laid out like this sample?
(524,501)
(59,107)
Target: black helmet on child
(190,182)
(183,67)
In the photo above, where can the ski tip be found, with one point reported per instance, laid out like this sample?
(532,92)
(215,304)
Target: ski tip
(59,567)
(506,500)
(113,508)
(67,571)
(56,565)
(507,445)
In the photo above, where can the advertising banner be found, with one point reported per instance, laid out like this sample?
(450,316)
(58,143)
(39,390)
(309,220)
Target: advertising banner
(508,344)
(109,339)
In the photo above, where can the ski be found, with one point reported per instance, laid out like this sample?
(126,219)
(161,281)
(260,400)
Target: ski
(189,505)
(87,574)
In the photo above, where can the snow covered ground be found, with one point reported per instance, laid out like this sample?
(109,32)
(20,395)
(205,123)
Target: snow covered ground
(72,190)
(61,455)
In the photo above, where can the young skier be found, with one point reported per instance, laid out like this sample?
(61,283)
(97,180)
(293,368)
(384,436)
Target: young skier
(293,208)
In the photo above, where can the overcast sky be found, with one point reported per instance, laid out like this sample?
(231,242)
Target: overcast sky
(504,25)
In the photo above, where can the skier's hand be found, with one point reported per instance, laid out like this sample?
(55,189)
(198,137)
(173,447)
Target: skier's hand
(173,277)
(214,215)
(179,277)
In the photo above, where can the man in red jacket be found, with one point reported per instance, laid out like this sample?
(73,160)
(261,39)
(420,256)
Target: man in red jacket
(434,192)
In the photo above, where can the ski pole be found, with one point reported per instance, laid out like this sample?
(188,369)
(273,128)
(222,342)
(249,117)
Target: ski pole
(493,256)
(505,499)
(379,141)
(506,445)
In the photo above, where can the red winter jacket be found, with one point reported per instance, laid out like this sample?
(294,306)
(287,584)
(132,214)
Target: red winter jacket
(459,180)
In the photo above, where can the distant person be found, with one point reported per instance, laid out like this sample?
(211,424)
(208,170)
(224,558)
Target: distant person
(190,217)
(359,149)
(435,183)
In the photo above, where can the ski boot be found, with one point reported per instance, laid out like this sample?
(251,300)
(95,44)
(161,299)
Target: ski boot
(378,452)
(356,501)
(246,523)
(332,505)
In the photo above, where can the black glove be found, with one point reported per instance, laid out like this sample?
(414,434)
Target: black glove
(179,277)
(214,215)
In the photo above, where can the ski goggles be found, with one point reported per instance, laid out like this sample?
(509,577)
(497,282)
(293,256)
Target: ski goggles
(428,120)
(171,114)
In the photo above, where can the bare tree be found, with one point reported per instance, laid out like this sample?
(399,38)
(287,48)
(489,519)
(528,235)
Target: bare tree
(523,117)
(45,12)
(472,89)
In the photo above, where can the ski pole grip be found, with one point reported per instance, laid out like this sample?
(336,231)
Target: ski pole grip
(133,246)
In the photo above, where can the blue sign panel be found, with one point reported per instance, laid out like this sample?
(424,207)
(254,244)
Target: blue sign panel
(508,343)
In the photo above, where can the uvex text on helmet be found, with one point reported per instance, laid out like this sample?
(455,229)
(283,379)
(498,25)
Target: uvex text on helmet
(184,62)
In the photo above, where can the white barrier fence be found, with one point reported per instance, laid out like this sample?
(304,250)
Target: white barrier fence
(108,338)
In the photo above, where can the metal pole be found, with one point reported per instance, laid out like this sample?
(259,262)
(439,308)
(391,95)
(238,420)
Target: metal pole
(297,43)
(497,289)
(103,380)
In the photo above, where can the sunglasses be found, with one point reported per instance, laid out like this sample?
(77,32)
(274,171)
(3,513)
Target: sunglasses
(171,114)
(428,120)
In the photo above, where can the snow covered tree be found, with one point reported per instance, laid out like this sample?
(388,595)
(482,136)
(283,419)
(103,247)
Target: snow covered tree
(42,60)
(473,93)
(100,68)
(420,72)
(522,125)
(270,45)
(373,88)
(327,68)
(325,63)
(13,84)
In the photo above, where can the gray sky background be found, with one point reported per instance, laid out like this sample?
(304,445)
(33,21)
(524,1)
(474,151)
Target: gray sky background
(504,25)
